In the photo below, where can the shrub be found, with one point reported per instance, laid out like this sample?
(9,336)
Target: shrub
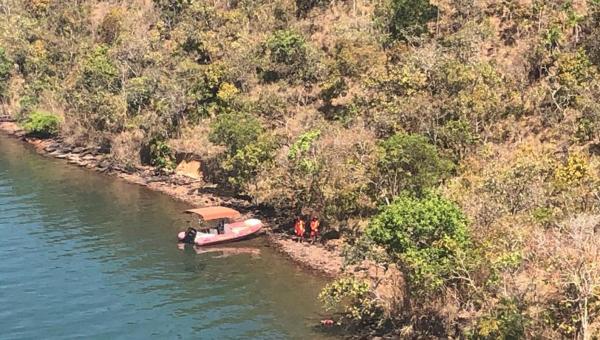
(410,17)
(300,151)
(571,173)
(42,124)
(102,111)
(506,321)
(161,155)
(304,6)
(245,164)
(354,296)
(407,162)
(235,131)
(99,72)
(37,7)
(139,93)
(202,85)
(171,10)
(457,137)
(288,53)
(5,67)
(111,25)
(426,235)
(333,88)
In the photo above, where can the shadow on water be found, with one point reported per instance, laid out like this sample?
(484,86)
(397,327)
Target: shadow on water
(92,256)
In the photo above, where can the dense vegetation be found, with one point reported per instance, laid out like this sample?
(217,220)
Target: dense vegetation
(456,141)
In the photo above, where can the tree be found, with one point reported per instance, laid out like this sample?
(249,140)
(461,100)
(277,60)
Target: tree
(425,235)
(235,131)
(5,67)
(288,55)
(410,18)
(407,162)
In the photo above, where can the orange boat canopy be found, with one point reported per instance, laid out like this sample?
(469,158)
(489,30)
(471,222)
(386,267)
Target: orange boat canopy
(214,213)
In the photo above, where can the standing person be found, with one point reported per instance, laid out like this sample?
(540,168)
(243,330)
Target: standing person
(314,229)
(221,227)
(299,229)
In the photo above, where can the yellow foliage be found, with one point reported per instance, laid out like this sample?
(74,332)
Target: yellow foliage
(227,91)
(572,172)
(38,6)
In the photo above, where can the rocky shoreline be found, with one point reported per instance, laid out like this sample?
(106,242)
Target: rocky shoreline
(318,258)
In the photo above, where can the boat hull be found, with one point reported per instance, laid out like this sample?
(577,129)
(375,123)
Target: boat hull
(233,232)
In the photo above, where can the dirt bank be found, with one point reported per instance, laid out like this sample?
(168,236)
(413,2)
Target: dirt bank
(319,258)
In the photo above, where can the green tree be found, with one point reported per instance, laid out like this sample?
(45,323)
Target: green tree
(244,165)
(407,162)
(425,235)
(288,54)
(410,17)
(99,72)
(5,67)
(235,131)
(161,155)
(42,124)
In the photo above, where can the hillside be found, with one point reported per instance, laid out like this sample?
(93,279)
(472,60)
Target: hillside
(455,140)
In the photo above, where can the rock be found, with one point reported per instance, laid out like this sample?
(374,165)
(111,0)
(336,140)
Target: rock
(88,157)
(78,150)
(104,164)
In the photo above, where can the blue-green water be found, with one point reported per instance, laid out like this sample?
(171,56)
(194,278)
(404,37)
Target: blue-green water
(88,256)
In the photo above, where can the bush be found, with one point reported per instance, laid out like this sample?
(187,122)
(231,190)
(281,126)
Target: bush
(171,10)
(161,155)
(410,18)
(299,153)
(506,321)
(139,93)
(5,67)
(571,173)
(235,131)
(245,164)
(304,6)
(42,124)
(288,53)
(37,7)
(101,111)
(354,297)
(111,25)
(99,72)
(426,235)
(407,162)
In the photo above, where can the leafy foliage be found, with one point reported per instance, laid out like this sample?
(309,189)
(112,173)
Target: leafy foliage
(99,72)
(354,296)
(161,155)
(407,162)
(42,124)
(288,54)
(245,164)
(410,18)
(425,235)
(235,131)
(300,150)
(5,68)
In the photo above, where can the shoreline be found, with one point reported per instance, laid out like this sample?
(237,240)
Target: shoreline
(320,259)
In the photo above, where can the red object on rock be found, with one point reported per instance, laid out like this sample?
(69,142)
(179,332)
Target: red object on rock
(327,322)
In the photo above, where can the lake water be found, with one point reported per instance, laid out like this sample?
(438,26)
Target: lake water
(84,255)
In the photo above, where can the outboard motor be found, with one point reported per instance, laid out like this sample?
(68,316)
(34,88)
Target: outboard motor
(190,236)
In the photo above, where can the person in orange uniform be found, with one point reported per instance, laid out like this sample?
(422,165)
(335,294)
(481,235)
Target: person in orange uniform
(299,229)
(314,229)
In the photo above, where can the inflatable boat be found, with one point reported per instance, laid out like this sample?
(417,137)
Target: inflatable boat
(218,225)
